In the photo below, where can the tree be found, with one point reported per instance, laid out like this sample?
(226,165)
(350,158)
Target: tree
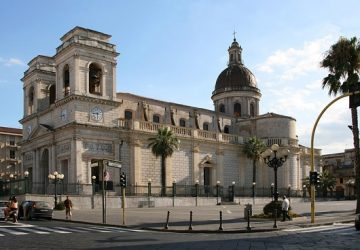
(343,61)
(253,149)
(327,182)
(163,145)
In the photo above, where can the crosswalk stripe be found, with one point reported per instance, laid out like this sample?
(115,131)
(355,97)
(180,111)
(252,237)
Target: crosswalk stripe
(54,230)
(7,230)
(33,230)
(96,229)
(72,229)
(319,228)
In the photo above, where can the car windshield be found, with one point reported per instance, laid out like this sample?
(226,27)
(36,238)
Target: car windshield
(41,204)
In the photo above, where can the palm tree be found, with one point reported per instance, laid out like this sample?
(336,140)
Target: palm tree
(342,62)
(163,145)
(327,182)
(253,149)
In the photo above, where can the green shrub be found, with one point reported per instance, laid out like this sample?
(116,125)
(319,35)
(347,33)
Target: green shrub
(60,206)
(270,208)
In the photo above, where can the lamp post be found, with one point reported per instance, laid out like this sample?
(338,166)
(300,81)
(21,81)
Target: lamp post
(272,191)
(253,191)
(289,191)
(304,191)
(196,191)
(93,182)
(275,159)
(233,191)
(149,191)
(26,176)
(11,178)
(217,192)
(56,177)
(174,191)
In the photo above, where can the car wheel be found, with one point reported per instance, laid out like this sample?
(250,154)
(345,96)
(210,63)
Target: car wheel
(49,218)
(357,227)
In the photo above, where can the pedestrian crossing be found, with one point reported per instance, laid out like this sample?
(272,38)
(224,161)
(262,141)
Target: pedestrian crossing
(27,229)
(336,228)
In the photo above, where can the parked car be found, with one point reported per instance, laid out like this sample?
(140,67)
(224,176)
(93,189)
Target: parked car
(357,221)
(3,205)
(35,209)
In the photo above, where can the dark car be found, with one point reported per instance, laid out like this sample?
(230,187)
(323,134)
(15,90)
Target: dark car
(35,209)
(357,221)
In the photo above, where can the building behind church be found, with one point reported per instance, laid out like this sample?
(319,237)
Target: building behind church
(73,117)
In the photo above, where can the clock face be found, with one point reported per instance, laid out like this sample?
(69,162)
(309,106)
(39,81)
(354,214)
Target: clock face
(29,129)
(63,114)
(96,114)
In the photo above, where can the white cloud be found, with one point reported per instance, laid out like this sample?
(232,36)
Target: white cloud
(290,63)
(11,62)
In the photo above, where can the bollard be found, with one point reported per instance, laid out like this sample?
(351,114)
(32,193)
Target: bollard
(275,213)
(190,226)
(167,220)
(248,221)
(221,224)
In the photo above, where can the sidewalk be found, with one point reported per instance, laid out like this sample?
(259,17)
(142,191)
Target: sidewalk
(207,218)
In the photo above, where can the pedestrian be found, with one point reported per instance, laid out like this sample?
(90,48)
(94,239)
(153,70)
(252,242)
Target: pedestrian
(68,208)
(285,208)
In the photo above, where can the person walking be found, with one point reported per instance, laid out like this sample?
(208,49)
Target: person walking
(285,208)
(68,208)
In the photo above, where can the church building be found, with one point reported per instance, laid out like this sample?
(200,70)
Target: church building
(74,116)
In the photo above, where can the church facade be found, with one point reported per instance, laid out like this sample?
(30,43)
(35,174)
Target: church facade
(73,116)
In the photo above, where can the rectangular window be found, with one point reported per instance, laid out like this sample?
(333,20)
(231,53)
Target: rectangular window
(341,180)
(128,115)
(12,154)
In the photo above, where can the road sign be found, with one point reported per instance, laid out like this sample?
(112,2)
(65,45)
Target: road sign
(114,164)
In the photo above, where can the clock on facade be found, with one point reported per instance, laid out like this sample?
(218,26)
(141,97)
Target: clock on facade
(96,114)
(63,114)
(29,129)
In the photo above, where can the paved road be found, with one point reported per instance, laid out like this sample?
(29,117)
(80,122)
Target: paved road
(65,235)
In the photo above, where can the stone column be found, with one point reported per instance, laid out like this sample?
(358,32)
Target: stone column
(135,167)
(218,174)
(195,164)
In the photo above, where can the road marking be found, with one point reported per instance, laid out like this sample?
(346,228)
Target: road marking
(7,230)
(71,229)
(335,227)
(32,230)
(54,230)
(95,229)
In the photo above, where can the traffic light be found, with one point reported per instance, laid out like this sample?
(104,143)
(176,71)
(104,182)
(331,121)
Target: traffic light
(122,180)
(314,178)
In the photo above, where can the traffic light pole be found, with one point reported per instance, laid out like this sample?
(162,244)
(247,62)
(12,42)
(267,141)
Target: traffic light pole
(103,170)
(312,192)
(123,204)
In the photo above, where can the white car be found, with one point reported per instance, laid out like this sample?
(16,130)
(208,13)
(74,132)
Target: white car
(3,205)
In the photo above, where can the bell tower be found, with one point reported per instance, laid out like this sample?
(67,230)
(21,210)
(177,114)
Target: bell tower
(86,65)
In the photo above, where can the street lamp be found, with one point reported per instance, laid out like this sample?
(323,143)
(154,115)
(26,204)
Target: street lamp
(217,192)
(174,191)
(56,177)
(11,178)
(289,191)
(26,176)
(253,191)
(304,191)
(149,191)
(196,191)
(93,181)
(233,191)
(275,159)
(272,191)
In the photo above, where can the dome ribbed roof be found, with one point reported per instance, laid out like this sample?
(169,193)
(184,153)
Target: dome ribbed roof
(235,77)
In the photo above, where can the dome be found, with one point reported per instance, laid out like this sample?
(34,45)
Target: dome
(235,77)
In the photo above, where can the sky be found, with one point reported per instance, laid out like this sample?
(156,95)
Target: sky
(174,50)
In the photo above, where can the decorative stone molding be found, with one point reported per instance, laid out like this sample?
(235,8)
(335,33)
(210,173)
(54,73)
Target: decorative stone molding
(98,148)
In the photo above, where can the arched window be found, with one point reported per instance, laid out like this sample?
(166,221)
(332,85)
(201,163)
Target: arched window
(66,78)
(237,109)
(206,126)
(31,97)
(52,94)
(182,122)
(222,108)
(156,118)
(252,110)
(128,115)
(95,76)
(226,129)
